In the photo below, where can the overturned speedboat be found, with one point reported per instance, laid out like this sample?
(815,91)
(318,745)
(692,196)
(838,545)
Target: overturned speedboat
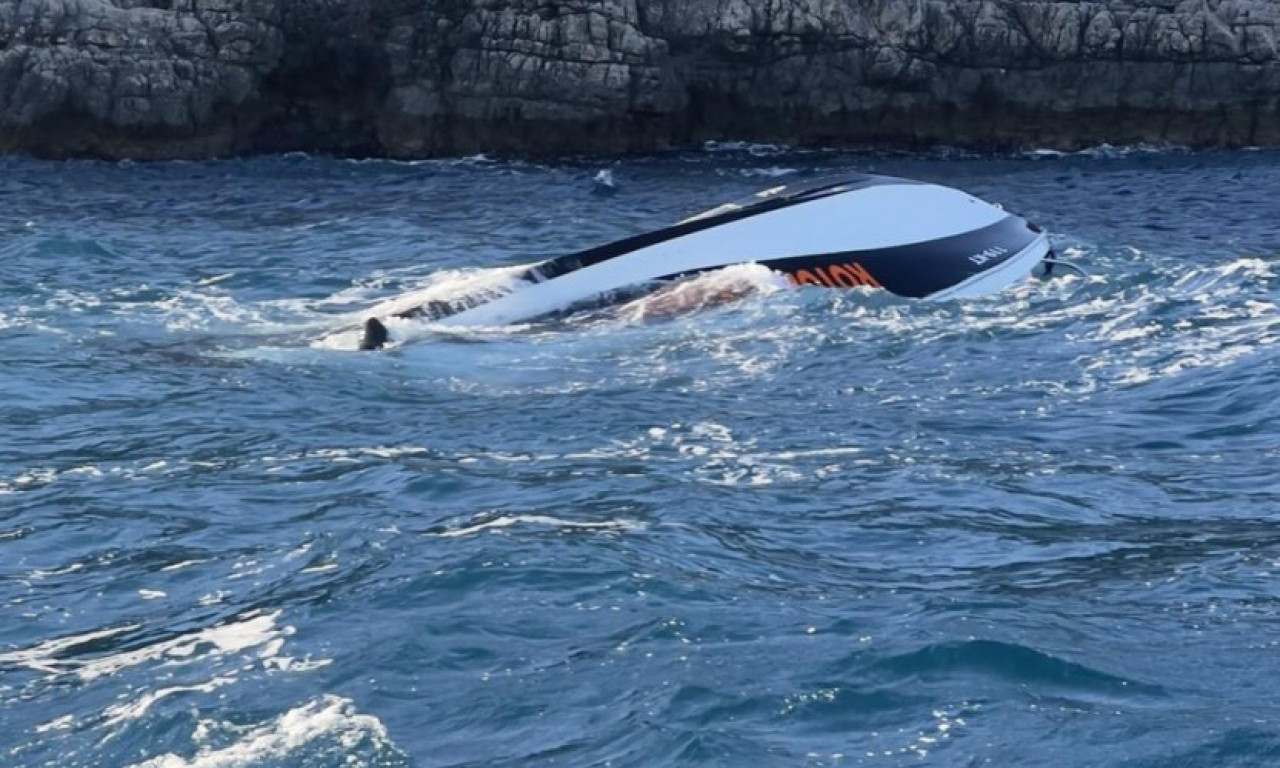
(910,238)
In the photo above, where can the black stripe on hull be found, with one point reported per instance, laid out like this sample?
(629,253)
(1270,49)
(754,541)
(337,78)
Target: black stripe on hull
(785,197)
(916,270)
(753,206)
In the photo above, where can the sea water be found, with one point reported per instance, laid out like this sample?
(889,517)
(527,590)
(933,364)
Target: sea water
(813,528)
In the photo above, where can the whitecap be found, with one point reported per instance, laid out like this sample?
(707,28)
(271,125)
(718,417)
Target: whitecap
(250,631)
(139,705)
(768,173)
(330,724)
(508,521)
(750,148)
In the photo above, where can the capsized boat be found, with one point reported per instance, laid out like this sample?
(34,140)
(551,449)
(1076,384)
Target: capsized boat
(911,238)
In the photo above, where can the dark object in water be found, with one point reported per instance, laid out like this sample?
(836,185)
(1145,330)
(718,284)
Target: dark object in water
(375,334)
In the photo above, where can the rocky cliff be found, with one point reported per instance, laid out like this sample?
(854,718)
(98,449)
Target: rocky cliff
(195,78)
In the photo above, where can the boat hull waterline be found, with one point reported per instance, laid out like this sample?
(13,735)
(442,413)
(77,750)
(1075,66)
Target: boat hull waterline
(911,238)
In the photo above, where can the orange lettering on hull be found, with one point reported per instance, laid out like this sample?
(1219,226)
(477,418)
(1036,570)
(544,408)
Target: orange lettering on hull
(804,277)
(848,275)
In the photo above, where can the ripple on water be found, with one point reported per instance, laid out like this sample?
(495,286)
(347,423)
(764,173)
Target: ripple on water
(813,528)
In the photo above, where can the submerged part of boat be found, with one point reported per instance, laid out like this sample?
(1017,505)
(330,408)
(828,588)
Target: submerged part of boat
(911,238)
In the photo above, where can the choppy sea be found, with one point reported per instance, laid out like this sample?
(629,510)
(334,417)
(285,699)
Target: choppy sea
(814,528)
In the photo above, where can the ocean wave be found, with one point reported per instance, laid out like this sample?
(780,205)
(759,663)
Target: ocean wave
(81,655)
(1107,151)
(327,730)
(754,149)
(808,528)
(503,522)
(1017,663)
(772,172)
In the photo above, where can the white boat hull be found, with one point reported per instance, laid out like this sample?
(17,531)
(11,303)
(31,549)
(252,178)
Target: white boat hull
(914,239)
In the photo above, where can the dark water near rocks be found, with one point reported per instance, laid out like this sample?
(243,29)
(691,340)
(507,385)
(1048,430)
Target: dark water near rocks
(813,529)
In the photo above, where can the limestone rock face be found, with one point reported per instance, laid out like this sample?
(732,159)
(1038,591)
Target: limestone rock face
(131,78)
(197,78)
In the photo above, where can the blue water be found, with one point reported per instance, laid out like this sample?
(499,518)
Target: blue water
(812,529)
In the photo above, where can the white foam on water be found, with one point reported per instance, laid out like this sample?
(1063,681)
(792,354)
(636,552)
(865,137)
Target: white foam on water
(73,301)
(446,285)
(1131,332)
(546,521)
(708,452)
(772,172)
(182,564)
(330,725)
(1225,313)
(250,631)
(322,568)
(945,726)
(42,476)
(204,304)
(814,453)
(318,224)
(64,723)
(750,148)
(348,455)
(36,477)
(1108,151)
(40,573)
(139,705)
(208,308)
(1038,154)
(43,656)
(717,457)
(291,664)
(450,284)
(33,477)
(478,161)
(252,641)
